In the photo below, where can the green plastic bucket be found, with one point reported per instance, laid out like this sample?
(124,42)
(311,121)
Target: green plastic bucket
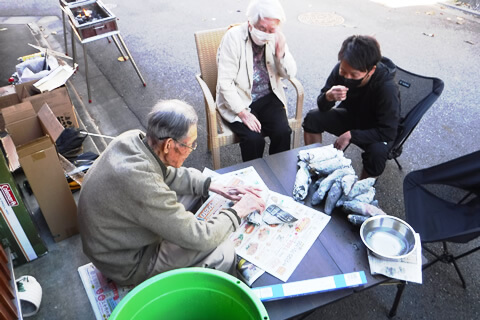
(191,293)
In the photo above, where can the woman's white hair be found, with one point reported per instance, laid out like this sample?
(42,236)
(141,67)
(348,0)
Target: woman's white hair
(260,9)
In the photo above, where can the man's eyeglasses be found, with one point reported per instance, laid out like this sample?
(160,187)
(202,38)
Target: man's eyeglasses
(193,147)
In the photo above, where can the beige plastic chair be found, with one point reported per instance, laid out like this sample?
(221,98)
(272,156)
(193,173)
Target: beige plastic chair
(219,134)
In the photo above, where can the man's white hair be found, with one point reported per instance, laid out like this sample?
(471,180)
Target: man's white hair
(260,9)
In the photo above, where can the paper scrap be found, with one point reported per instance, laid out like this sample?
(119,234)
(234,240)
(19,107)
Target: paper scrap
(407,269)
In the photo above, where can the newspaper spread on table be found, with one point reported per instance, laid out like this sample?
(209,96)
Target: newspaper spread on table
(407,269)
(104,294)
(280,237)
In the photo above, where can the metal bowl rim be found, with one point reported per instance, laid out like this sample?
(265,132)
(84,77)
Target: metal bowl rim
(415,244)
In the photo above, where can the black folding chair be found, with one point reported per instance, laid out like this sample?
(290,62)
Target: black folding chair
(433,208)
(417,95)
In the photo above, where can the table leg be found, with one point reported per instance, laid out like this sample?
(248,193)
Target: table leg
(64,33)
(131,59)
(85,55)
(398,296)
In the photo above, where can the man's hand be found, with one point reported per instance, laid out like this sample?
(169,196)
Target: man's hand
(337,93)
(234,192)
(249,203)
(279,44)
(343,141)
(250,121)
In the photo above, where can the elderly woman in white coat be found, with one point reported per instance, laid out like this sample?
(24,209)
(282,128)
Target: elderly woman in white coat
(252,59)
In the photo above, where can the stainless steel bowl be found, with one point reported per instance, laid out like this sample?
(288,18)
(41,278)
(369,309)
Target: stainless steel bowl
(388,237)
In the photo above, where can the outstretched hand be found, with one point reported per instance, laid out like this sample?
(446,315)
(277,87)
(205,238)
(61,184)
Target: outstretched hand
(248,203)
(247,198)
(234,193)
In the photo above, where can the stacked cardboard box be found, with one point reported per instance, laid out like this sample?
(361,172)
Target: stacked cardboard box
(58,100)
(30,123)
(33,135)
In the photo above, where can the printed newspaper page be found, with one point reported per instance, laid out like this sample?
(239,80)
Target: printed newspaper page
(104,294)
(407,269)
(215,202)
(277,239)
(286,232)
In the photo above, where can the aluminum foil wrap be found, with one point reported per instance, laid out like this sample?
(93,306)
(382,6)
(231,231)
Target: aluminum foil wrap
(327,183)
(319,154)
(366,197)
(326,167)
(302,181)
(334,194)
(347,182)
(360,187)
(362,208)
(254,218)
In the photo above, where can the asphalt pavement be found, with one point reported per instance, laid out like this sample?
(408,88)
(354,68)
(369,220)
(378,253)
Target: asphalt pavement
(422,36)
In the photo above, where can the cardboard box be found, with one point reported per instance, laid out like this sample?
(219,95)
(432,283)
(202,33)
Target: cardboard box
(10,95)
(24,125)
(33,135)
(58,100)
(17,230)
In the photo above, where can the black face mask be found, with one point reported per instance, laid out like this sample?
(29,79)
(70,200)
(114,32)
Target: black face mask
(353,83)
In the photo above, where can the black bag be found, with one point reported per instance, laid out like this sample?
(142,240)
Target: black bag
(70,142)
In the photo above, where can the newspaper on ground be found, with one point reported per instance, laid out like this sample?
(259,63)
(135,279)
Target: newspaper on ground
(104,294)
(279,240)
(407,269)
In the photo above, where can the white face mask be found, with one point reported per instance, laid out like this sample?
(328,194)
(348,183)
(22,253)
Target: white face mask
(261,38)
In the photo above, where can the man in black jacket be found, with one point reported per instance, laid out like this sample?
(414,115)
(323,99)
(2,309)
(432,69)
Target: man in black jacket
(369,112)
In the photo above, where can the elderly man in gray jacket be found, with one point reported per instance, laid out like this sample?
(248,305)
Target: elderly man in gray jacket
(131,222)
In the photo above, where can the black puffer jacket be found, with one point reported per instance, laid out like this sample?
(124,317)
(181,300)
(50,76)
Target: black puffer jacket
(375,107)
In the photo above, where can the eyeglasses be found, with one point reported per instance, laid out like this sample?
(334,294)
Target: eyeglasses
(193,147)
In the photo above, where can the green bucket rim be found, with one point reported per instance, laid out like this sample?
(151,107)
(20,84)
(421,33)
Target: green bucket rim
(212,272)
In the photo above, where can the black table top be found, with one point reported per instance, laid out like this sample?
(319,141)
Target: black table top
(340,238)
(337,250)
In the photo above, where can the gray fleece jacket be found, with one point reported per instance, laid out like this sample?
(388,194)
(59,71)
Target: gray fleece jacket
(128,206)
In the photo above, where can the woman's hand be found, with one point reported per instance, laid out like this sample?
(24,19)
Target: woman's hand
(250,121)
(279,44)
